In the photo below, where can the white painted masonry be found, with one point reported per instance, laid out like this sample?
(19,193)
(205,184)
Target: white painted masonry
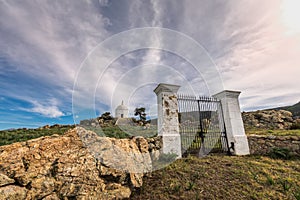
(121,111)
(233,121)
(168,125)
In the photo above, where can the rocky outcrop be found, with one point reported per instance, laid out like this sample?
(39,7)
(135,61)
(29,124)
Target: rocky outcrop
(78,164)
(268,119)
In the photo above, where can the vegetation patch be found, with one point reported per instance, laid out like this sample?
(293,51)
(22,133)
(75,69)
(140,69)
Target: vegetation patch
(278,132)
(24,134)
(224,177)
(280,153)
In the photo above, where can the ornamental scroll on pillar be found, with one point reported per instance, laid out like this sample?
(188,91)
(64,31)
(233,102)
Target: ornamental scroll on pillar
(167,119)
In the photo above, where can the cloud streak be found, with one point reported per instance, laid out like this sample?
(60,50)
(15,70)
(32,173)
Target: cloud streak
(45,110)
(255,45)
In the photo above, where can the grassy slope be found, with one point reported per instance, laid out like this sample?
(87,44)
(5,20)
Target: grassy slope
(224,177)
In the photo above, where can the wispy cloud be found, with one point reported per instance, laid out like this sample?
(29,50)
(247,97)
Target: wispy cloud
(50,38)
(255,45)
(47,109)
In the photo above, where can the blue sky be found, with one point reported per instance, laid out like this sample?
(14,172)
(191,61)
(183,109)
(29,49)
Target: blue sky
(46,45)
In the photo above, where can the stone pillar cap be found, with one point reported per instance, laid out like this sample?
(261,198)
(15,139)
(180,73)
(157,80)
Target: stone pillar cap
(227,93)
(163,87)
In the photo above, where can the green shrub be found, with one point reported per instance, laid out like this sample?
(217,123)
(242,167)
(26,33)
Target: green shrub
(280,153)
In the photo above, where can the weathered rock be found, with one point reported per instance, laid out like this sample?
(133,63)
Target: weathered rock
(268,119)
(12,192)
(78,164)
(52,196)
(4,180)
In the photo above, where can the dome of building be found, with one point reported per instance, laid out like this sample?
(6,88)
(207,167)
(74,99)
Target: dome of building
(121,111)
(121,107)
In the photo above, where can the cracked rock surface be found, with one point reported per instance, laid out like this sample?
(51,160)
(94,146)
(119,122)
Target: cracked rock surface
(73,167)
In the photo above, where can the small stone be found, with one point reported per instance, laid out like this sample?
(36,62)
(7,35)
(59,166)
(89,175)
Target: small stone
(261,141)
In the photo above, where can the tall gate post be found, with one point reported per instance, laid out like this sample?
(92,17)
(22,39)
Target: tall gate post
(233,121)
(167,119)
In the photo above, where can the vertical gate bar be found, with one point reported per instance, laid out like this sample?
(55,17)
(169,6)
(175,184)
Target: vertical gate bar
(194,136)
(224,128)
(185,128)
(208,116)
(181,128)
(211,134)
(217,130)
(188,129)
(213,128)
(213,131)
(220,127)
(201,135)
(200,128)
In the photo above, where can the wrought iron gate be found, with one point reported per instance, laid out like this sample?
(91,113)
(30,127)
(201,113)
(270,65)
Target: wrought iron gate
(202,127)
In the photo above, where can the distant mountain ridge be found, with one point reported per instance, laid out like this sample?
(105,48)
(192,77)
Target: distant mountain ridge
(294,109)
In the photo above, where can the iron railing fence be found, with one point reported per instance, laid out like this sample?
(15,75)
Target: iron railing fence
(202,127)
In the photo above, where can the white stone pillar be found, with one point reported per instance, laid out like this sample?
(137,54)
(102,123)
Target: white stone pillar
(233,121)
(167,119)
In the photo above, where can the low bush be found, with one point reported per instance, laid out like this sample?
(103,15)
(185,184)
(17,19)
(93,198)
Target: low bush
(280,153)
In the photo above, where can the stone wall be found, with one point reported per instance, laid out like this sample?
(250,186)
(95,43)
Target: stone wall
(75,165)
(155,146)
(262,145)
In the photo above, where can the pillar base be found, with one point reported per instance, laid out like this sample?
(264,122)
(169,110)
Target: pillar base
(172,144)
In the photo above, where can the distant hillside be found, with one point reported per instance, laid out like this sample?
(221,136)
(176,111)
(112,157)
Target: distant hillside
(295,109)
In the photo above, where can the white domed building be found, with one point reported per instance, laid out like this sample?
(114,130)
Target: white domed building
(121,111)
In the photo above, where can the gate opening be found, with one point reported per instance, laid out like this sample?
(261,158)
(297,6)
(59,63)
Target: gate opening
(201,126)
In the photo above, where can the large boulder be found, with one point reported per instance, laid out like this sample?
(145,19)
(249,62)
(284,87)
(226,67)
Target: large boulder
(78,164)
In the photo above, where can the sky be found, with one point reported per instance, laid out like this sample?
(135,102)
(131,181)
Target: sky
(61,58)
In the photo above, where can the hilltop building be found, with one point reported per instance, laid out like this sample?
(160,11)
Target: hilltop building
(121,111)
